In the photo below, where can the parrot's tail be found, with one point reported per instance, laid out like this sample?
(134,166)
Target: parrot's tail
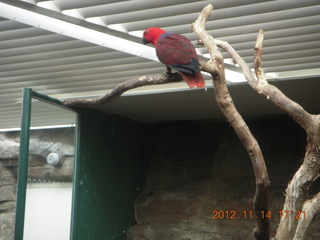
(193,80)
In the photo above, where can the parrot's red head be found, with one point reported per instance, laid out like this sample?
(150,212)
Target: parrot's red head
(151,35)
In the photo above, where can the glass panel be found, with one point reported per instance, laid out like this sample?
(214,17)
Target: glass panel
(50,171)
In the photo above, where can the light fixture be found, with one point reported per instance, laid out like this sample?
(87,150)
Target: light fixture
(53,159)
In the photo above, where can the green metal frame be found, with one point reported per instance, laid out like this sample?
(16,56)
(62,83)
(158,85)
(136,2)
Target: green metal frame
(110,164)
(28,94)
(23,164)
(111,173)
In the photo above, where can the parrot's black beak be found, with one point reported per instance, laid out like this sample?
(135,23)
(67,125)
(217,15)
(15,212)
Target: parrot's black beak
(145,41)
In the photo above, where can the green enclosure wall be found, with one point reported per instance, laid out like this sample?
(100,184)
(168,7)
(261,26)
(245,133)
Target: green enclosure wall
(110,173)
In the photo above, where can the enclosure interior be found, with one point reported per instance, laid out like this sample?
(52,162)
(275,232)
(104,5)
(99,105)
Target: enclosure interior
(195,164)
(134,178)
(165,180)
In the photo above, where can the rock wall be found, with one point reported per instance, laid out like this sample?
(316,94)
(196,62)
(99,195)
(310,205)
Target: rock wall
(198,168)
(42,142)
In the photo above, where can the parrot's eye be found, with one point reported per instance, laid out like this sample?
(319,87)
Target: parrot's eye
(146,32)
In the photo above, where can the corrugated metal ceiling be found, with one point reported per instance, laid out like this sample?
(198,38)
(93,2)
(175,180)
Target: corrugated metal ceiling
(62,66)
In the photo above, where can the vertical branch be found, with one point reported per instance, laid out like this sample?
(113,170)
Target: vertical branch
(257,56)
(215,67)
(302,117)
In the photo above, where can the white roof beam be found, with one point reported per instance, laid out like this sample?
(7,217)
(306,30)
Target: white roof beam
(76,28)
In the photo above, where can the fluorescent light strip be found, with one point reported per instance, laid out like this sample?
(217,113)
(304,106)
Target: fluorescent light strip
(38,128)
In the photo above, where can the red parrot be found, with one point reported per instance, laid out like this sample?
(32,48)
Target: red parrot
(177,52)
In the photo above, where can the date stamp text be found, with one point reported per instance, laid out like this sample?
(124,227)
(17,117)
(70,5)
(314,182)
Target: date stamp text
(233,215)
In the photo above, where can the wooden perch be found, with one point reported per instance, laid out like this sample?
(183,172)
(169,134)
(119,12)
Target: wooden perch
(215,67)
(123,87)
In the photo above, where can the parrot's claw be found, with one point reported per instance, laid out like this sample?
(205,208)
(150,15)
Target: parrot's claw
(168,73)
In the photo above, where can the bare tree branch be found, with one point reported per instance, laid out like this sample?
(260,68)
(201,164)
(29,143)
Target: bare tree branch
(215,67)
(297,190)
(123,87)
(296,111)
(258,58)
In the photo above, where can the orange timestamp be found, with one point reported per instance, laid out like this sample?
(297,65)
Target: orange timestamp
(233,215)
